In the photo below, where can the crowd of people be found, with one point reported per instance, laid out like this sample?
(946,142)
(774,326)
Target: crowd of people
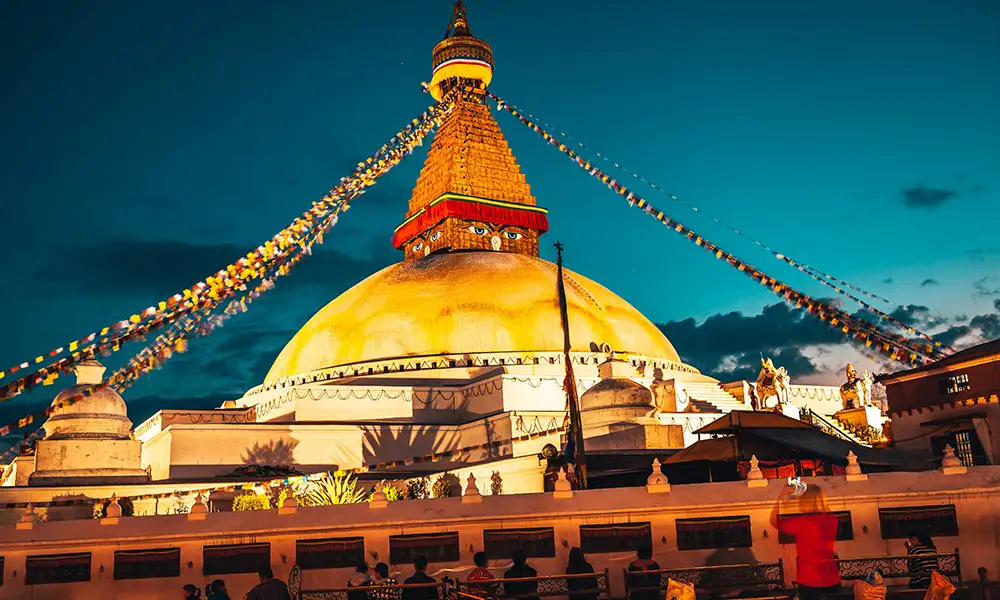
(813,527)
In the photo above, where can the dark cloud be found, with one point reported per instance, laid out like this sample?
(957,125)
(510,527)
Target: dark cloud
(980,327)
(163,268)
(986,286)
(987,325)
(951,335)
(729,345)
(916,316)
(982,254)
(922,196)
(929,282)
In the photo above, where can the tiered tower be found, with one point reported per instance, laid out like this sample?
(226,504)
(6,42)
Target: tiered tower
(471,194)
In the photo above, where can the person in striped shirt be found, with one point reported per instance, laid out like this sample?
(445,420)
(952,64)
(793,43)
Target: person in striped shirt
(921,548)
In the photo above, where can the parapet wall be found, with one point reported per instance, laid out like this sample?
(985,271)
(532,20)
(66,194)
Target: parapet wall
(962,507)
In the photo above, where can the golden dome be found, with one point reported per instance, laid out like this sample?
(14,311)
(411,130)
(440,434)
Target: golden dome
(465,302)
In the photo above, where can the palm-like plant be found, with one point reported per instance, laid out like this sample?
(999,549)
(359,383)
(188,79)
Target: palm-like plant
(342,488)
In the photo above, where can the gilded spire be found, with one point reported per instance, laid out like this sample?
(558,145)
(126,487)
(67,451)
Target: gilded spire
(471,194)
(459,23)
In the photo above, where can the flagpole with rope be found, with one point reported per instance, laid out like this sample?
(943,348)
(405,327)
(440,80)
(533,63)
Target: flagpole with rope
(576,427)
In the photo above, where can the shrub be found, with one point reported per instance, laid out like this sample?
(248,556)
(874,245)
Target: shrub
(496,483)
(342,488)
(416,489)
(251,501)
(392,493)
(442,486)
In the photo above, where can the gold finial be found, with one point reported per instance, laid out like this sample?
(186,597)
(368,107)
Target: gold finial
(459,23)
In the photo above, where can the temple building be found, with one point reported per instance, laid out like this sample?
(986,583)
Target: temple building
(458,345)
(954,401)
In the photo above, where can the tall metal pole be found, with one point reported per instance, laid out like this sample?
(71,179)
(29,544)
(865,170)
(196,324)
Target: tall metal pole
(575,425)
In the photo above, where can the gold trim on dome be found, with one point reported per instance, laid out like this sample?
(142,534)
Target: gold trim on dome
(464,360)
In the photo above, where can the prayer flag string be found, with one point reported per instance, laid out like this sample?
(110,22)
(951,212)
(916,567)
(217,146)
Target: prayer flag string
(893,346)
(281,263)
(233,277)
(828,280)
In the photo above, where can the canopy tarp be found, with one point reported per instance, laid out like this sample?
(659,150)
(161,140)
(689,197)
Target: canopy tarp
(745,419)
(720,449)
(816,442)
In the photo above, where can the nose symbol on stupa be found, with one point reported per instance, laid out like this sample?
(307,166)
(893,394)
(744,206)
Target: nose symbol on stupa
(495,242)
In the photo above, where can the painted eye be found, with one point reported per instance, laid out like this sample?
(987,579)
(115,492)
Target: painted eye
(417,247)
(512,235)
(435,236)
(477,230)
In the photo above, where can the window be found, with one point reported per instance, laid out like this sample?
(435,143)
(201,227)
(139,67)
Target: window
(845,528)
(331,553)
(713,533)
(57,568)
(237,558)
(147,564)
(437,547)
(966,444)
(935,521)
(536,542)
(963,447)
(619,537)
(1,570)
(955,384)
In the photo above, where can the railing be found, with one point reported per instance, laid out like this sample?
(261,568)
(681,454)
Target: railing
(809,416)
(765,580)
(590,585)
(421,591)
(899,566)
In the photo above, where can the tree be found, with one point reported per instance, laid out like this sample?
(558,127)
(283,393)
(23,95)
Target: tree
(251,501)
(416,489)
(342,488)
(496,483)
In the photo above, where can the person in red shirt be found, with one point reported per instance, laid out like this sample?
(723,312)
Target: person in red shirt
(815,531)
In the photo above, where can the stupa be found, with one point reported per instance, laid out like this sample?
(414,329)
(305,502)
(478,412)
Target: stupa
(90,441)
(459,344)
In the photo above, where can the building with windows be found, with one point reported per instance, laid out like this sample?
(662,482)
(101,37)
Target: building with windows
(954,401)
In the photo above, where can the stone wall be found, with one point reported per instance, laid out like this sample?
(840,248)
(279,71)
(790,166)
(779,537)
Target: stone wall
(973,495)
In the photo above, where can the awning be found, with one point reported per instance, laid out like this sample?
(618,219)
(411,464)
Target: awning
(745,419)
(816,442)
(715,450)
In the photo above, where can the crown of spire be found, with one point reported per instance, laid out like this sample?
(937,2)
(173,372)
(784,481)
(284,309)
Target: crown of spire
(459,23)
(460,58)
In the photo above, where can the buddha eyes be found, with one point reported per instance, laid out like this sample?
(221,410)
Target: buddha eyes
(435,236)
(477,230)
(417,247)
(512,235)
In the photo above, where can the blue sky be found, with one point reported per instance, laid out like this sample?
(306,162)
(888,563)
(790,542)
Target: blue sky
(144,145)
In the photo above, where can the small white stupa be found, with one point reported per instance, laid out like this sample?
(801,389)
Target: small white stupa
(90,441)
